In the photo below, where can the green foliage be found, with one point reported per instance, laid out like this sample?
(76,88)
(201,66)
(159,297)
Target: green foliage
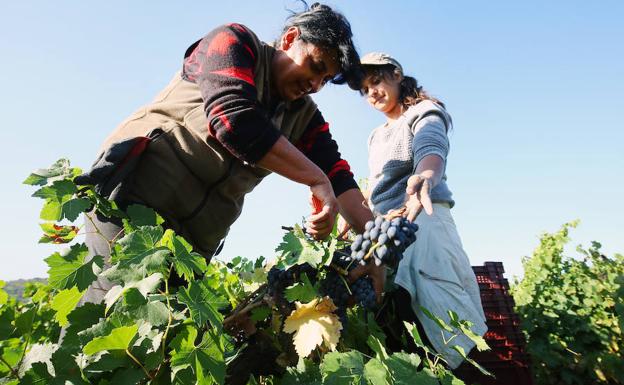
(146,332)
(571,312)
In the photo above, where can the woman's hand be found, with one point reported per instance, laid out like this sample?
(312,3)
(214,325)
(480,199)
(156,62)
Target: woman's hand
(418,196)
(324,210)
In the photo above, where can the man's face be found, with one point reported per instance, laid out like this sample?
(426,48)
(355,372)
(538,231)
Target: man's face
(301,68)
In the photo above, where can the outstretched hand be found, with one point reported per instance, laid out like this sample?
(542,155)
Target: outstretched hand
(418,196)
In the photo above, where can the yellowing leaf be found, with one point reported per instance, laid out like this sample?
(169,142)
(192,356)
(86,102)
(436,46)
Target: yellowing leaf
(313,323)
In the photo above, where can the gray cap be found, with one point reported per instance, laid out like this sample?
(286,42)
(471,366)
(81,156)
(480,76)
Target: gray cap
(379,59)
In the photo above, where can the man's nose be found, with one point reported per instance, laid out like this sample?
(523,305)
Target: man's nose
(372,91)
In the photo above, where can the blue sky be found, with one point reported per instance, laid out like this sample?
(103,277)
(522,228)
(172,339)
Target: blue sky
(535,90)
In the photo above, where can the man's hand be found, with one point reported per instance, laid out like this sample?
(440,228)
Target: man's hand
(418,196)
(324,210)
(376,273)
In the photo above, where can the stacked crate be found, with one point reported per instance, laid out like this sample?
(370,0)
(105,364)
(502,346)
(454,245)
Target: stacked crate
(507,358)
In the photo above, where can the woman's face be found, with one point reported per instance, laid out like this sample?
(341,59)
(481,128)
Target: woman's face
(301,68)
(382,92)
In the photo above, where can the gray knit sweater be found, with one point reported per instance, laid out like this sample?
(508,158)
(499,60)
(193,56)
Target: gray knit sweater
(394,151)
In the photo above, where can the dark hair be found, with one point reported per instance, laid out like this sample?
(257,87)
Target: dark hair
(410,93)
(320,25)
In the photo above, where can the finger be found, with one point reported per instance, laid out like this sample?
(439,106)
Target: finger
(413,183)
(425,198)
(378,286)
(413,208)
(357,272)
(320,216)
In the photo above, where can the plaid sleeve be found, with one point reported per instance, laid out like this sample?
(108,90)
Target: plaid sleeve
(317,144)
(222,65)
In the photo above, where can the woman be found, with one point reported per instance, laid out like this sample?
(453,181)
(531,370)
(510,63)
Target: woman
(407,161)
(238,110)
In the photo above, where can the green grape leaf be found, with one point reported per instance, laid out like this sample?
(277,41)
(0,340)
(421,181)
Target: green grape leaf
(260,313)
(144,286)
(38,374)
(203,302)
(38,353)
(140,215)
(403,366)
(461,351)
(439,321)
(305,373)
(137,255)
(118,339)
(186,262)
(377,347)
(59,170)
(7,315)
(4,296)
(375,372)
(64,302)
(127,376)
(343,368)
(413,331)
(295,249)
(71,268)
(206,359)
(53,233)
(24,321)
(81,318)
(302,291)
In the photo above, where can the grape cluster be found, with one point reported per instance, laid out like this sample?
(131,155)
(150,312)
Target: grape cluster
(335,285)
(279,279)
(389,238)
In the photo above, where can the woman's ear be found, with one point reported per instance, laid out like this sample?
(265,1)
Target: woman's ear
(289,37)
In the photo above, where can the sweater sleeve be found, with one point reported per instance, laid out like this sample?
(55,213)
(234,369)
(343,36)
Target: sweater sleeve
(222,65)
(317,144)
(429,139)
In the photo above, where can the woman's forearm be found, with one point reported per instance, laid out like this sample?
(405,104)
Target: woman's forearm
(432,168)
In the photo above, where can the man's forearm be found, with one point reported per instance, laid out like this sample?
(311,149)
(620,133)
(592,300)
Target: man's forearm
(285,159)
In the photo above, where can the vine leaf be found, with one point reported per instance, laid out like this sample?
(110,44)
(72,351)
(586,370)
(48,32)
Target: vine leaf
(313,323)
(296,249)
(71,268)
(343,368)
(203,303)
(206,359)
(186,262)
(138,254)
(64,302)
(376,374)
(144,286)
(118,339)
(403,366)
(305,373)
(59,170)
(302,291)
(60,202)
(4,296)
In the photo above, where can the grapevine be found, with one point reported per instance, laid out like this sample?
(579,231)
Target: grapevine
(238,322)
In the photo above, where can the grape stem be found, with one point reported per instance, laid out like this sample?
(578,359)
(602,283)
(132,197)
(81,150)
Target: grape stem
(139,363)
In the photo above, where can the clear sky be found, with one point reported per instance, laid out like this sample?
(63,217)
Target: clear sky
(534,87)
